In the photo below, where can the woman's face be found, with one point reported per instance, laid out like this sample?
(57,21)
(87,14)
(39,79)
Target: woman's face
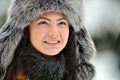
(49,34)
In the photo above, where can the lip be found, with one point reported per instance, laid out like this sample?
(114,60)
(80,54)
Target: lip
(52,43)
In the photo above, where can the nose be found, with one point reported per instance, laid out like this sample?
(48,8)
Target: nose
(54,31)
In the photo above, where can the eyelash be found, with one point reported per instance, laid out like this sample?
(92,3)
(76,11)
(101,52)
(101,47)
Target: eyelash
(42,23)
(62,23)
(45,23)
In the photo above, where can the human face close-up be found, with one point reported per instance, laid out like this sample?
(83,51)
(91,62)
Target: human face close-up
(49,34)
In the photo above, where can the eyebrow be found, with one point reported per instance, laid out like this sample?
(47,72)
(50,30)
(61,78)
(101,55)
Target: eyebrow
(44,18)
(61,19)
(50,20)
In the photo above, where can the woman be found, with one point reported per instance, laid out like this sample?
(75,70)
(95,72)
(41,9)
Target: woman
(45,40)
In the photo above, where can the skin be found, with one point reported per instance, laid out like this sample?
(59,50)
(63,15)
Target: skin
(49,34)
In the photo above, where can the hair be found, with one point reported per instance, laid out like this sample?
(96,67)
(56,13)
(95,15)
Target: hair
(68,51)
(70,55)
(13,67)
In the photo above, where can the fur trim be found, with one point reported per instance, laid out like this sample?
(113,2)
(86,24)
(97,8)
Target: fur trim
(22,12)
(33,63)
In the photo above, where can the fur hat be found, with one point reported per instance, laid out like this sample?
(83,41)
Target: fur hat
(22,12)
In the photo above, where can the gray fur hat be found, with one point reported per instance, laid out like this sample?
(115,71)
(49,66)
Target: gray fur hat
(22,12)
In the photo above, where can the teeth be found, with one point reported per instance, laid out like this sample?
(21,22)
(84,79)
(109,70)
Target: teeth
(51,42)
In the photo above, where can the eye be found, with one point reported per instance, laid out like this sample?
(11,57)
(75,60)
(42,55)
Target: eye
(62,23)
(43,23)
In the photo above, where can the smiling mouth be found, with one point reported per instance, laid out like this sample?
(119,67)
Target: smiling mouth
(52,43)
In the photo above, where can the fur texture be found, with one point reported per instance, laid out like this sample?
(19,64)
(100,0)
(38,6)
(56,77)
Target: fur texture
(20,15)
(37,67)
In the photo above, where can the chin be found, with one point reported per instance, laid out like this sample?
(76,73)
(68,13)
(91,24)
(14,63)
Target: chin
(52,53)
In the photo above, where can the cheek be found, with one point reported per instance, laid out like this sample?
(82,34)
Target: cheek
(65,35)
(37,35)
(36,31)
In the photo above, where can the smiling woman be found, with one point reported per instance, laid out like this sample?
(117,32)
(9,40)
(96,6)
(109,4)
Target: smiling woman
(49,34)
(45,40)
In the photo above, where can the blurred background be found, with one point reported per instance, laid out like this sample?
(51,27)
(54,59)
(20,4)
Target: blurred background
(102,19)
